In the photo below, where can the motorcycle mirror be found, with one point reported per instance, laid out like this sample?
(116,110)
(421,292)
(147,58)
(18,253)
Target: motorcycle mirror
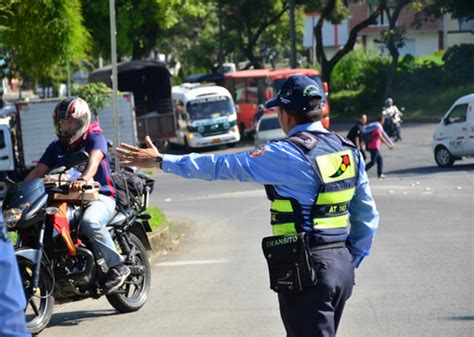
(77,158)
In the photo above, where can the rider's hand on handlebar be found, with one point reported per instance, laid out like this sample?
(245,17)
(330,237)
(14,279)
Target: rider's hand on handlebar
(77,185)
(133,156)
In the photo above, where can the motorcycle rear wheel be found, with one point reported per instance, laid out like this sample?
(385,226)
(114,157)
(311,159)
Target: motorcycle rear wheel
(134,293)
(40,303)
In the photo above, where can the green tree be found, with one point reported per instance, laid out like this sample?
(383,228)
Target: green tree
(194,40)
(97,95)
(139,24)
(43,35)
(459,9)
(394,37)
(246,21)
(335,11)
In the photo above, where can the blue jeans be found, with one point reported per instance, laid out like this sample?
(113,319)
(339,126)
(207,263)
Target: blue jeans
(93,225)
(12,296)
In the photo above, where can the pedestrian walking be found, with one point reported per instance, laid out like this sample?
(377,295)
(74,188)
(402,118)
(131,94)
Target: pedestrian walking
(377,136)
(355,134)
(317,185)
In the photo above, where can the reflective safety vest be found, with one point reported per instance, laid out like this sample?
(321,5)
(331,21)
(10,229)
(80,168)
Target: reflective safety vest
(336,163)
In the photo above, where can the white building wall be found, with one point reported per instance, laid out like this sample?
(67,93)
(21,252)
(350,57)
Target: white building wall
(417,43)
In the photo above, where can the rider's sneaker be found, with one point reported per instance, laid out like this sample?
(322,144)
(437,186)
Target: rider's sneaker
(116,277)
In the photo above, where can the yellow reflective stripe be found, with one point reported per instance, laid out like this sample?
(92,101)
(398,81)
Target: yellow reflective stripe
(333,222)
(328,198)
(283,229)
(282,206)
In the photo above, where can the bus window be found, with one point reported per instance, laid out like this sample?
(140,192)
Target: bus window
(252,91)
(240,91)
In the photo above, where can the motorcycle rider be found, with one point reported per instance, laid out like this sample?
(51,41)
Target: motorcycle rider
(393,119)
(72,122)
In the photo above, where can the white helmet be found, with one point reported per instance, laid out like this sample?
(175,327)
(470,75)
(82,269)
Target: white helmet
(72,108)
(389,102)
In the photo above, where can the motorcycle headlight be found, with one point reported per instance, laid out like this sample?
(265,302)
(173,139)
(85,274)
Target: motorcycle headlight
(12,215)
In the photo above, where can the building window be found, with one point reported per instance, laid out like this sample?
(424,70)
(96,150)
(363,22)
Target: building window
(382,19)
(466,26)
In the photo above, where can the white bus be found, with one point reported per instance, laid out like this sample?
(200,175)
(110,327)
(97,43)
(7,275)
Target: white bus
(206,116)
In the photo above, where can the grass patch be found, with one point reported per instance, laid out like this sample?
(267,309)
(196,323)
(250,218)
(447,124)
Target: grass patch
(158,219)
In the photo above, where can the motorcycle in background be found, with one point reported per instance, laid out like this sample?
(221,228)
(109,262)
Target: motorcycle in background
(50,271)
(393,124)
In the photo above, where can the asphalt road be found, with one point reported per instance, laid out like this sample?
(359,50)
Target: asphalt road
(417,282)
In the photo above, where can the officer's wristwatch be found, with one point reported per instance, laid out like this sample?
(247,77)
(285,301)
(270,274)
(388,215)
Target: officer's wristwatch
(159,161)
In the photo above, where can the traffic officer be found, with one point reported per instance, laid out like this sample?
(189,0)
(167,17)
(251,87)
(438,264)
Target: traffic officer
(317,184)
(12,296)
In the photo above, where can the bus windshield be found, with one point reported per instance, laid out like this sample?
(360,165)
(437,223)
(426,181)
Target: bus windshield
(209,107)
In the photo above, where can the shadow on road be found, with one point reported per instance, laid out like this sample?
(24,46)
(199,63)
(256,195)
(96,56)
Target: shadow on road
(75,317)
(425,170)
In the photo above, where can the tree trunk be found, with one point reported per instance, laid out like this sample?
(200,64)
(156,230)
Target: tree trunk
(393,67)
(392,48)
(328,65)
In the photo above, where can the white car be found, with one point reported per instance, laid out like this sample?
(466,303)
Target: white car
(268,128)
(454,135)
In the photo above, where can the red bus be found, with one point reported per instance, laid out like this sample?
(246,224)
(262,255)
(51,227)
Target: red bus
(250,88)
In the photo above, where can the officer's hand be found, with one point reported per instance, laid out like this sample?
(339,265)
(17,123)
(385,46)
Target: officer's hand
(76,186)
(133,156)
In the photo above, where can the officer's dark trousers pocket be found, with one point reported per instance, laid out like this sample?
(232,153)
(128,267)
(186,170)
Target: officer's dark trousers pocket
(317,311)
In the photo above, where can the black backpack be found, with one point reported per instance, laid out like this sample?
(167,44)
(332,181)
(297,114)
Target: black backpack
(130,187)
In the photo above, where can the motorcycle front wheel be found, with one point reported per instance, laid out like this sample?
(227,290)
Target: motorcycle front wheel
(134,293)
(40,302)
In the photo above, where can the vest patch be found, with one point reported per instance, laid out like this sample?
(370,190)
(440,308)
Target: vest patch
(336,166)
(258,151)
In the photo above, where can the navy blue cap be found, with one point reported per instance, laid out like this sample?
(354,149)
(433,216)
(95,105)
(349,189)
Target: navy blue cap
(298,93)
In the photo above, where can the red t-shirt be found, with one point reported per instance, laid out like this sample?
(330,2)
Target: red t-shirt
(375,143)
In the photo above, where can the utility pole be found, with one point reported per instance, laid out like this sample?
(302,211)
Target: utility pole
(115,108)
(292,35)
(221,42)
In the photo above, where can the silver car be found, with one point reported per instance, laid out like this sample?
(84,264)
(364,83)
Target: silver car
(268,128)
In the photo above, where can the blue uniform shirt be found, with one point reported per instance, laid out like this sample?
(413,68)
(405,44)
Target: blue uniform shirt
(57,154)
(276,164)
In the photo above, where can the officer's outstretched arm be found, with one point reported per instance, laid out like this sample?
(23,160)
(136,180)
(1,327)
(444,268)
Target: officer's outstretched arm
(133,156)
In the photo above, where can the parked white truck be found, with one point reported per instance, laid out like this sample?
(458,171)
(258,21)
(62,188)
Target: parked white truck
(25,135)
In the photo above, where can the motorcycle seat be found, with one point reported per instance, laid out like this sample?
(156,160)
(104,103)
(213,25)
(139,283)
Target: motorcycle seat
(118,219)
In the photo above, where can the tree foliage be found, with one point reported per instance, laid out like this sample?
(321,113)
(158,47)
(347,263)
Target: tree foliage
(139,24)
(246,21)
(97,95)
(44,34)
(460,9)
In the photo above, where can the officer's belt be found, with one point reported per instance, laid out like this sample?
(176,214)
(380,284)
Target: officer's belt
(319,246)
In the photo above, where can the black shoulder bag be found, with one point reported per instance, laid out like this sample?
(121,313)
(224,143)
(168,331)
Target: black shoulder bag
(289,263)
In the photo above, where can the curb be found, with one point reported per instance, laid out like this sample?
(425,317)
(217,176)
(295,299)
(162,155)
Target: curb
(169,236)
(161,239)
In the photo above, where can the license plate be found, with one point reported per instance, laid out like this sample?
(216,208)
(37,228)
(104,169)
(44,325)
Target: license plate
(216,140)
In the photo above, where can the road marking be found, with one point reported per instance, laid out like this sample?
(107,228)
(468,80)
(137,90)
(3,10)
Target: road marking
(189,263)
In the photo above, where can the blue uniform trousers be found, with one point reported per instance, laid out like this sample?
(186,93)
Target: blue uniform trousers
(316,311)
